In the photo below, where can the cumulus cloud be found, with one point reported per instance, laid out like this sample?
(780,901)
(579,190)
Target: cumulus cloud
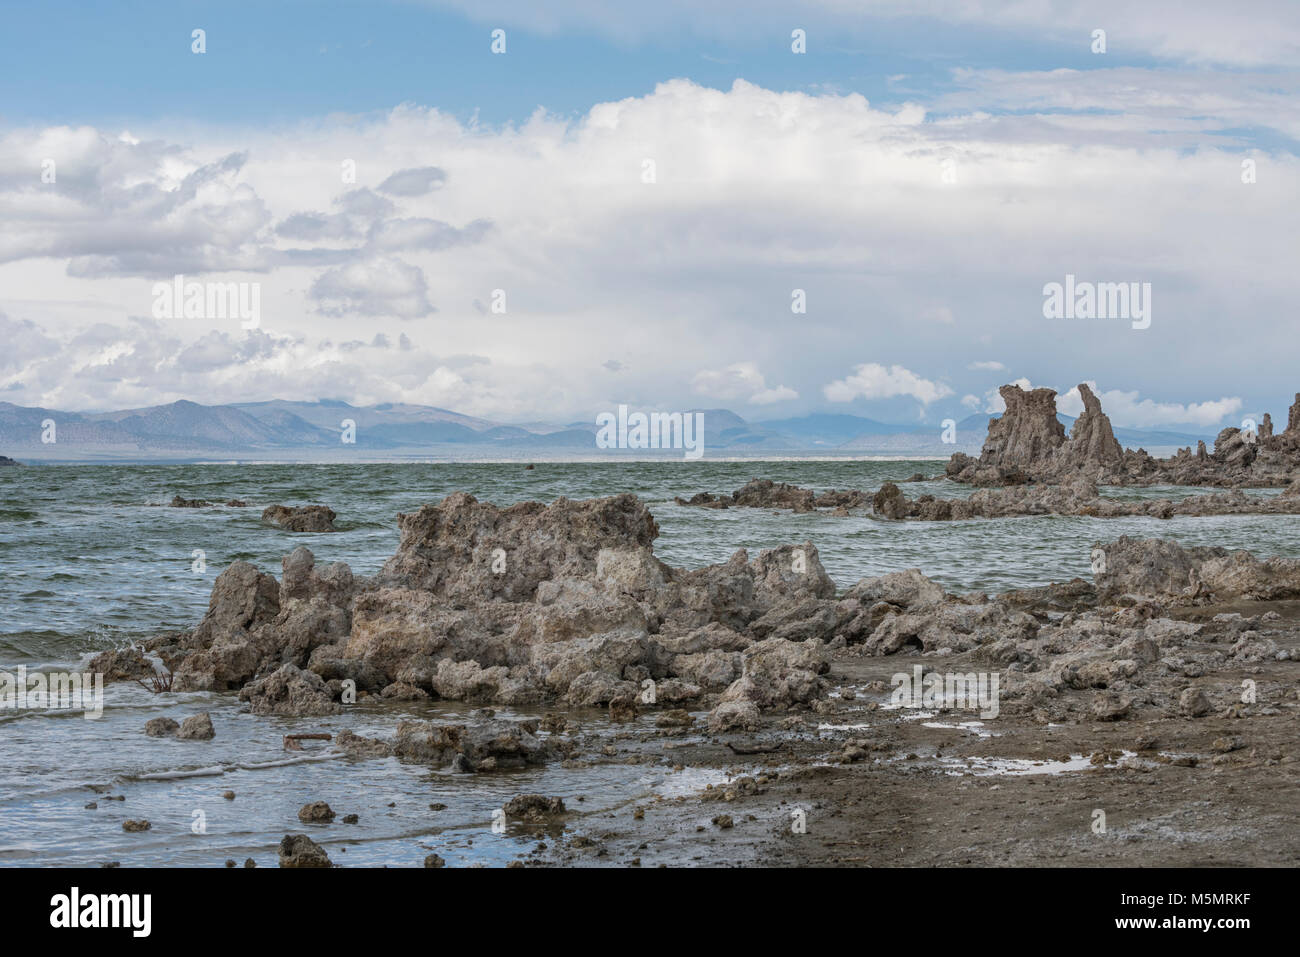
(740,381)
(871,380)
(428,234)
(358,210)
(122,208)
(380,286)
(24,342)
(143,361)
(758,192)
(414,182)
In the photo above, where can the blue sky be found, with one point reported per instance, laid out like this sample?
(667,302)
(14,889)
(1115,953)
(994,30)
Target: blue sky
(649,187)
(272,61)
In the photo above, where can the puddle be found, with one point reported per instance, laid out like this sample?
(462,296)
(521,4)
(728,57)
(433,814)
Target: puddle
(1021,767)
(974,727)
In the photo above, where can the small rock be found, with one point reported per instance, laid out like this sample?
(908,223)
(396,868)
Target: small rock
(622,708)
(676,718)
(317,812)
(1111,708)
(197,727)
(160,727)
(1193,702)
(299,850)
(534,807)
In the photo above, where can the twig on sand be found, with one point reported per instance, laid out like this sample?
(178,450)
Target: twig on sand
(757,748)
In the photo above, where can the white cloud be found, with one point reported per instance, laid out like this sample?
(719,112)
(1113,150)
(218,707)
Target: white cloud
(740,381)
(375,287)
(987,366)
(759,192)
(768,396)
(414,182)
(145,362)
(874,381)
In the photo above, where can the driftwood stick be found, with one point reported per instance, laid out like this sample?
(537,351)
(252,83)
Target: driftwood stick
(756,748)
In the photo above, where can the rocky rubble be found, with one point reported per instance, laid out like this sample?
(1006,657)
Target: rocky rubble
(1075,496)
(1131,642)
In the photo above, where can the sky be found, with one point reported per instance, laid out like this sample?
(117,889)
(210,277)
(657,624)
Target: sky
(655,205)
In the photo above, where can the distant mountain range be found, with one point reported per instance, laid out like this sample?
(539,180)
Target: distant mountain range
(315,431)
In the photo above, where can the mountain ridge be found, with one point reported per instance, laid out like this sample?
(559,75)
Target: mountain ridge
(402,430)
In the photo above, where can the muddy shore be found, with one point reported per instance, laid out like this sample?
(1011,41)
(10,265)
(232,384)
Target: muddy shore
(1009,792)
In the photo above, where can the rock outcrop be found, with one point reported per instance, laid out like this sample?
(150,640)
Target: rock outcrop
(1072,494)
(1092,446)
(531,603)
(1134,569)
(1027,434)
(764,493)
(300,518)
(1027,444)
(566,605)
(1076,496)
